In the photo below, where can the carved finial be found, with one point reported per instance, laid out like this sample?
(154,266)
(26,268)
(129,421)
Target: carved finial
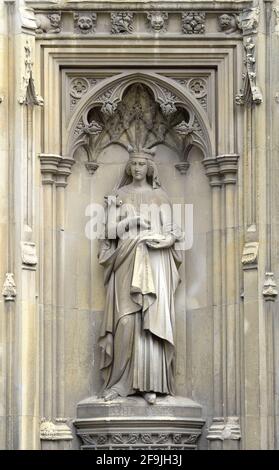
(9,287)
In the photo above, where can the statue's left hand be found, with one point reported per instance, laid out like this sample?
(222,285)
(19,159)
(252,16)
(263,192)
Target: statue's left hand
(166,242)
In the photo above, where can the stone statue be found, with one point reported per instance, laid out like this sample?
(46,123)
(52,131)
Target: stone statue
(140,276)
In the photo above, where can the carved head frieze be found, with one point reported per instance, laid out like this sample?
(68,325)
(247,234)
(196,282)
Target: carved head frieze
(157,20)
(85,22)
(50,23)
(228,23)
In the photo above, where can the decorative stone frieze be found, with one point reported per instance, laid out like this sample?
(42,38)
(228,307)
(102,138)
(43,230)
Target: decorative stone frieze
(9,288)
(270,290)
(193,22)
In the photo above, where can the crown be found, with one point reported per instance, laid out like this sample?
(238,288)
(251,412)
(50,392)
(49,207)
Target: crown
(141,153)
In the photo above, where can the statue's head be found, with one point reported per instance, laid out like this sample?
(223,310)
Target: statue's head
(140,165)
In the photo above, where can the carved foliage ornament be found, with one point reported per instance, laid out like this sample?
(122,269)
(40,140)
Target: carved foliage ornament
(157,21)
(140,440)
(85,22)
(50,23)
(250,91)
(122,22)
(193,22)
(249,20)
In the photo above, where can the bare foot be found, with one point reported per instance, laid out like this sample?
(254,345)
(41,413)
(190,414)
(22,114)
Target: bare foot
(150,397)
(110,394)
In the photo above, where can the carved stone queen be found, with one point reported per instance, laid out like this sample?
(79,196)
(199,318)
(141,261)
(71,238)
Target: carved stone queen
(141,276)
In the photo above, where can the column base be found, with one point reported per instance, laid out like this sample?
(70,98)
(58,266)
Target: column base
(224,433)
(56,435)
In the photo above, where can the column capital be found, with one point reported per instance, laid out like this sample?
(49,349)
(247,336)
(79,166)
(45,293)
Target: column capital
(64,170)
(49,166)
(228,166)
(55,168)
(212,171)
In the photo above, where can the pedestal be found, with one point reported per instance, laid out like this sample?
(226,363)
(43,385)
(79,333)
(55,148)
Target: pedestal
(131,423)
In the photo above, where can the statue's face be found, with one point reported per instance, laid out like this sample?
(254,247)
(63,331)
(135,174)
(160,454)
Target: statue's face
(139,168)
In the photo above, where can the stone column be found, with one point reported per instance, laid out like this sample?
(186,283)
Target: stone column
(64,170)
(212,171)
(54,429)
(224,433)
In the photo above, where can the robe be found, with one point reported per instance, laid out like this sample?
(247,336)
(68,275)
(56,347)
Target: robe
(138,328)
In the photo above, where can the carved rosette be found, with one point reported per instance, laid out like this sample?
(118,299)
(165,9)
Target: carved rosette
(193,22)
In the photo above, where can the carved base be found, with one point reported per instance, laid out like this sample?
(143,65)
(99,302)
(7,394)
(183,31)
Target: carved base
(131,423)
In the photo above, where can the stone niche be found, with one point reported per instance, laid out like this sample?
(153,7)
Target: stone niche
(103,128)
